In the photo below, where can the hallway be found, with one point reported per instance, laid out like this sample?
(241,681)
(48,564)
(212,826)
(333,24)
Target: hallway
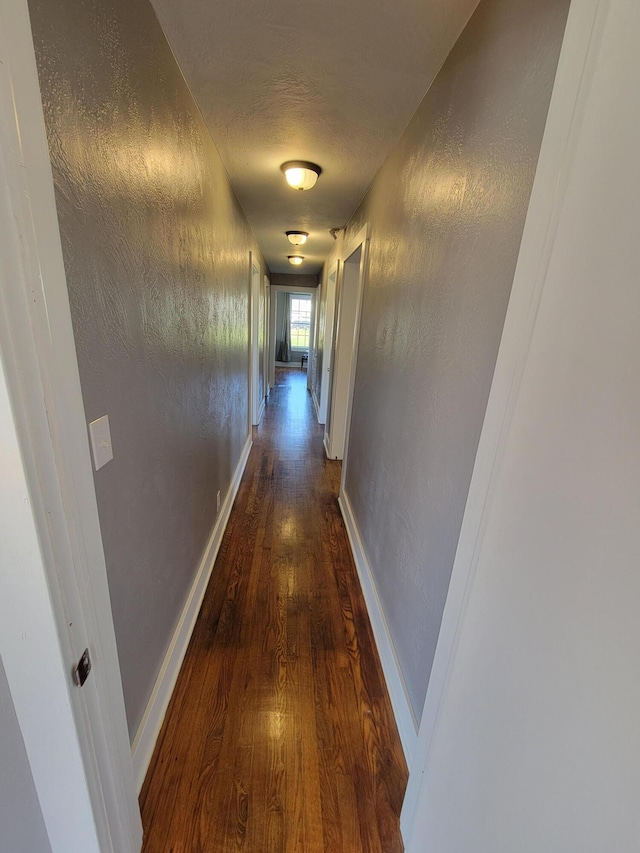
(280,734)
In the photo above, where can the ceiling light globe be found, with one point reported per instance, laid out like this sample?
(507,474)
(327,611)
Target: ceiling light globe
(300,174)
(296,260)
(298,238)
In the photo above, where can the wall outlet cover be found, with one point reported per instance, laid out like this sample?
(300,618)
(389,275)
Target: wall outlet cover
(100,436)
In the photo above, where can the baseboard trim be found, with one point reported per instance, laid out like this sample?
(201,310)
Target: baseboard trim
(325,444)
(316,404)
(149,728)
(407,725)
(261,407)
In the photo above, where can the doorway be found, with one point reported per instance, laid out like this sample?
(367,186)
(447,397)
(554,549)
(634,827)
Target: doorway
(345,347)
(265,344)
(292,317)
(258,328)
(322,382)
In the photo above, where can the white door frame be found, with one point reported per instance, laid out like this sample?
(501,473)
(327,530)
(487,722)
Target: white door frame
(336,445)
(314,349)
(256,400)
(55,597)
(267,335)
(329,298)
(573,79)
(284,288)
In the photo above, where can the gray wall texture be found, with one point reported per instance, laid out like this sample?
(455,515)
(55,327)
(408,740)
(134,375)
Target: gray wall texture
(447,212)
(156,251)
(294,279)
(22,828)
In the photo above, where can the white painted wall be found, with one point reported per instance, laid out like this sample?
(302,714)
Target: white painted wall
(21,819)
(536,743)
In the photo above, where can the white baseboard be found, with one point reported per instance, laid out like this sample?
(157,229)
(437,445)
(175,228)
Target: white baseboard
(407,725)
(325,444)
(151,723)
(261,408)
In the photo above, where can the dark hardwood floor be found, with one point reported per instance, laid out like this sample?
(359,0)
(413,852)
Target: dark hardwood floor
(280,735)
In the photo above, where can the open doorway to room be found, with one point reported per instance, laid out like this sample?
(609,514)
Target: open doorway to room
(293,327)
(257,382)
(324,345)
(291,330)
(345,346)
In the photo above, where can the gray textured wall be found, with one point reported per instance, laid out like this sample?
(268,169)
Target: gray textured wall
(156,250)
(447,212)
(294,279)
(22,828)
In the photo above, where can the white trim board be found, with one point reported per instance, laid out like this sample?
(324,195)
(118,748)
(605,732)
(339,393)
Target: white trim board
(145,739)
(274,289)
(405,720)
(261,407)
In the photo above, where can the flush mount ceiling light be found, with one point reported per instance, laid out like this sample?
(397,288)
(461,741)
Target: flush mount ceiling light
(297,237)
(296,260)
(300,174)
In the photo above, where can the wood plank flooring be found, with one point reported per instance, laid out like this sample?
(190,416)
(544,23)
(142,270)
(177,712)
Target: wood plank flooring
(280,736)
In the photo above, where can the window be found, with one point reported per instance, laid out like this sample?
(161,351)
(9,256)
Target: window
(300,321)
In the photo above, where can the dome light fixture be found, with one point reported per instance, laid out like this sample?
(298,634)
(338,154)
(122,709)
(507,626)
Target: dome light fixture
(300,174)
(296,260)
(297,237)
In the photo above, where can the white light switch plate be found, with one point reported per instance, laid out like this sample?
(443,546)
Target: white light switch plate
(101,441)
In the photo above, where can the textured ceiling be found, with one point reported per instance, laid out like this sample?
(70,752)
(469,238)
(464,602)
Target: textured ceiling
(334,82)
